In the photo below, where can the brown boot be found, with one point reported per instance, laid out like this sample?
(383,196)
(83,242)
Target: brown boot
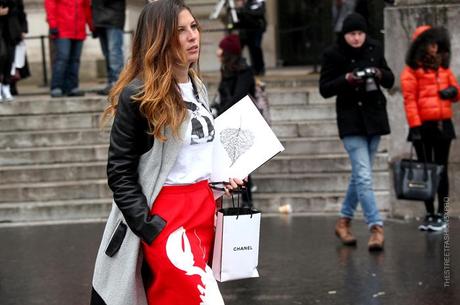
(342,230)
(376,240)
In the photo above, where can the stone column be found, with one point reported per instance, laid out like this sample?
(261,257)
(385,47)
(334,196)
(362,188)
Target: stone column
(400,22)
(270,36)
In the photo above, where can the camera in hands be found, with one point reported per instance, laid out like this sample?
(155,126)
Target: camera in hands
(368,76)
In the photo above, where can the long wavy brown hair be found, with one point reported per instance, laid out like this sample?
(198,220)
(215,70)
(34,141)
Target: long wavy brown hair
(155,50)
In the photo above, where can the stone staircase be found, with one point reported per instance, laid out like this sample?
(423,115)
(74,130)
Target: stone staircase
(53,156)
(52,159)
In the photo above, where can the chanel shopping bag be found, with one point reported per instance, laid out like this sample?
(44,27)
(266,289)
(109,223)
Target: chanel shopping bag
(236,245)
(415,180)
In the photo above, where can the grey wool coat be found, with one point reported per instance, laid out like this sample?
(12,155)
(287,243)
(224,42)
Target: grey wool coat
(117,280)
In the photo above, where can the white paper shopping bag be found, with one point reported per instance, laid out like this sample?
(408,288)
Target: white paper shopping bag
(236,246)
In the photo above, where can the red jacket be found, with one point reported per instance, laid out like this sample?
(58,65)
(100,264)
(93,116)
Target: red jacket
(69,17)
(421,98)
(420,86)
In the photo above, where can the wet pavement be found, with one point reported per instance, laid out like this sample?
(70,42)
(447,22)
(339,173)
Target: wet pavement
(301,262)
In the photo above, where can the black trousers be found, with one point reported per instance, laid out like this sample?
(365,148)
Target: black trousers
(253,39)
(436,150)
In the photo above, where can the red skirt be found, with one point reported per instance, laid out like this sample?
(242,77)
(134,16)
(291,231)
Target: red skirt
(179,255)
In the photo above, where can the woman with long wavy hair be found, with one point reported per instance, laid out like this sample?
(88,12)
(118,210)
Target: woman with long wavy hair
(159,234)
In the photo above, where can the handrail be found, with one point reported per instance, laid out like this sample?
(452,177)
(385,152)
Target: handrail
(288,31)
(43,52)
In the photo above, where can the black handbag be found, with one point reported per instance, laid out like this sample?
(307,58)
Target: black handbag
(414,180)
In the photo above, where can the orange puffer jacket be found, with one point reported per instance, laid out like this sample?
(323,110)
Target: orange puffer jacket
(421,88)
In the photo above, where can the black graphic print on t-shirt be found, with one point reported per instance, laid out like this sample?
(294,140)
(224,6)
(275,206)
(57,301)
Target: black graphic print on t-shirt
(202,126)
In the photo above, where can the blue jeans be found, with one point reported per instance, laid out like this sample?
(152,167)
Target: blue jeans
(66,65)
(112,47)
(361,151)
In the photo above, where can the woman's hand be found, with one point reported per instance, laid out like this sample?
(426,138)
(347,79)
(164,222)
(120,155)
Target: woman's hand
(233,183)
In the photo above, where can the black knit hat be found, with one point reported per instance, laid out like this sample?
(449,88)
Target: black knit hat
(354,22)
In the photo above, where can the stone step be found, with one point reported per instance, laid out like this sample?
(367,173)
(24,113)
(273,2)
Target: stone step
(273,81)
(283,96)
(50,122)
(57,210)
(55,130)
(98,152)
(312,182)
(327,163)
(47,138)
(302,112)
(87,136)
(41,105)
(332,163)
(296,96)
(291,96)
(97,188)
(99,208)
(62,190)
(53,172)
(46,105)
(291,104)
(315,98)
(51,155)
(312,128)
(319,145)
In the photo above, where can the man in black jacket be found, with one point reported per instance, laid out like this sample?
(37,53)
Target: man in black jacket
(354,70)
(109,21)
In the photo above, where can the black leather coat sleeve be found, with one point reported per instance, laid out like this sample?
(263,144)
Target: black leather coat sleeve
(331,81)
(127,144)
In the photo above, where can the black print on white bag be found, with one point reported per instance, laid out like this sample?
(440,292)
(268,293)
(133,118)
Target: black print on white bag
(236,245)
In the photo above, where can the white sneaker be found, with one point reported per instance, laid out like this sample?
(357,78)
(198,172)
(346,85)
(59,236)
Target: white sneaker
(6,93)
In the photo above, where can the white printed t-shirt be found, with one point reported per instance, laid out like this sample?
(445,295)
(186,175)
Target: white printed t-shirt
(194,162)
